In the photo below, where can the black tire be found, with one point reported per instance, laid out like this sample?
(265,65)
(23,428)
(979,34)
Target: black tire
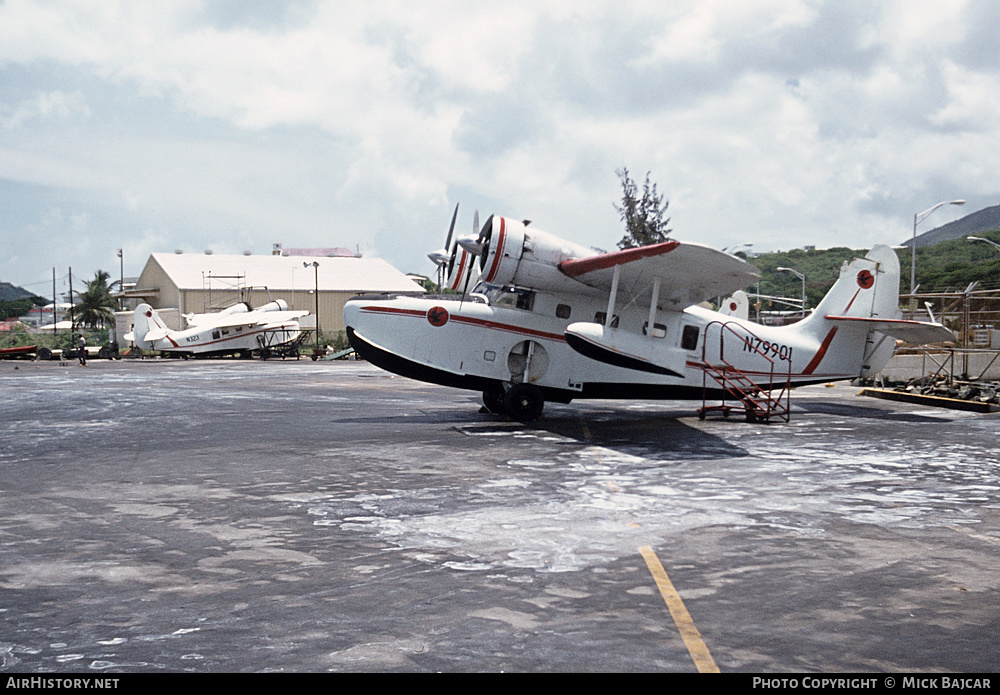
(524,402)
(493,399)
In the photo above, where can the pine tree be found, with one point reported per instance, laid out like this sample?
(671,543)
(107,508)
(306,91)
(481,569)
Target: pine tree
(643,217)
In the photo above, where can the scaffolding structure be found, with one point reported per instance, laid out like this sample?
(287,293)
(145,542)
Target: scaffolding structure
(972,314)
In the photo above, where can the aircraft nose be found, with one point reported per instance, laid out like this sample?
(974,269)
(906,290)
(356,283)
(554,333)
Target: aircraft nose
(351,310)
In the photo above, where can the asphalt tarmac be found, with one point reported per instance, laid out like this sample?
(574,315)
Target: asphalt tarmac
(250,516)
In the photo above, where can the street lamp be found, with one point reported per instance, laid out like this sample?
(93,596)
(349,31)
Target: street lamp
(979,238)
(803,278)
(121,281)
(315,265)
(917,219)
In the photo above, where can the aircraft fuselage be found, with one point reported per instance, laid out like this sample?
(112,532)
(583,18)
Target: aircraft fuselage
(226,340)
(520,336)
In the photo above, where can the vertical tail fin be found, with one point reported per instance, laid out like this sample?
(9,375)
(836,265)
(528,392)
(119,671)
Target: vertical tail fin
(868,288)
(147,326)
(737,305)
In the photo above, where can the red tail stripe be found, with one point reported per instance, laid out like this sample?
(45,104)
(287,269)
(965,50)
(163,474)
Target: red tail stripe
(821,353)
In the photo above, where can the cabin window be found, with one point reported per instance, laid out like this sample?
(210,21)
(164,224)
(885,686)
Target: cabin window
(215,335)
(489,356)
(515,297)
(689,338)
(563,311)
(659,331)
(601,317)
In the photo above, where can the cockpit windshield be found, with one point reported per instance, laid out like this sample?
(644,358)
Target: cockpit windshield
(508,296)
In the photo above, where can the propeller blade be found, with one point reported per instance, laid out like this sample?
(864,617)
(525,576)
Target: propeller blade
(451,229)
(441,257)
(468,272)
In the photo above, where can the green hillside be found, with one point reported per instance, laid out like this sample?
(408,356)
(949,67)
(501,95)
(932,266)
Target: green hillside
(949,265)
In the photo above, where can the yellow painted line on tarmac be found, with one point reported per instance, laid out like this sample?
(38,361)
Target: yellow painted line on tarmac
(703,660)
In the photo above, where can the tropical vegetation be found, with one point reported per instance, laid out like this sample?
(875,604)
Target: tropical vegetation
(950,266)
(96,307)
(642,215)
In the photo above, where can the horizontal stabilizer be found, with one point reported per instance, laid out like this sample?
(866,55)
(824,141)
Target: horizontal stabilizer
(155,334)
(916,332)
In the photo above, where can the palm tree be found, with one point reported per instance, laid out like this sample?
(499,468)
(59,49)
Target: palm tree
(96,306)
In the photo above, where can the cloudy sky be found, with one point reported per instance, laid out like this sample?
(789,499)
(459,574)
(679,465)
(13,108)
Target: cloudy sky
(233,124)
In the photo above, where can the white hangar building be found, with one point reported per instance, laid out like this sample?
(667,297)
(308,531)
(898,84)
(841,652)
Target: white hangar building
(199,283)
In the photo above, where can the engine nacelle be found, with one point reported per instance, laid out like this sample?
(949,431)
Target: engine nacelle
(515,255)
(276,305)
(461,264)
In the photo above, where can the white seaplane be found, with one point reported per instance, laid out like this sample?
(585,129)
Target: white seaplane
(236,329)
(552,320)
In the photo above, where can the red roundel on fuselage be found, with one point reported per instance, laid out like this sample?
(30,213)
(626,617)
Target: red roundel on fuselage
(866,279)
(437,315)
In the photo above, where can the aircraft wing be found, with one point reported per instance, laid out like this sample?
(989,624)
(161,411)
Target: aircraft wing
(262,318)
(689,273)
(916,332)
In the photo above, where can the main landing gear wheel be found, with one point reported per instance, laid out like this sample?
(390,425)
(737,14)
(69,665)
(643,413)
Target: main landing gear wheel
(493,399)
(524,402)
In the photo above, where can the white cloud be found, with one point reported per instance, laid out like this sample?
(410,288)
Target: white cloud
(973,98)
(50,106)
(701,30)
(781,122)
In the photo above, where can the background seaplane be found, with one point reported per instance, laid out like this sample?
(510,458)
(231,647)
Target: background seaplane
(550,320)
(236,329)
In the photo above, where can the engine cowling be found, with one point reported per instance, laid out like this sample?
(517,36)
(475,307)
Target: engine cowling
(276,305)
(460,265)
(512,254)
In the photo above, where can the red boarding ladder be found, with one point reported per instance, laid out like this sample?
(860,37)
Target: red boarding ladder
(762,394)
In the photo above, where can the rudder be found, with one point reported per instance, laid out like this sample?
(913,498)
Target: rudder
(868,288)
(147,326)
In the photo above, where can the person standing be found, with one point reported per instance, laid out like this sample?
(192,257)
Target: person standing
(83,351)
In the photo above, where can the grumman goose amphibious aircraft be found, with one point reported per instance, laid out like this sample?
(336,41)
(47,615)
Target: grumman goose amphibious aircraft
(550,320)
(236,329)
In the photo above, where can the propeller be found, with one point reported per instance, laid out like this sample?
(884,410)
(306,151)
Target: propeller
(468,273)
(441,257)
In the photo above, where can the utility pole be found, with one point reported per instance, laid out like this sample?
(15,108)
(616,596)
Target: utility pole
(315,265)
(121,281)
(72,320)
